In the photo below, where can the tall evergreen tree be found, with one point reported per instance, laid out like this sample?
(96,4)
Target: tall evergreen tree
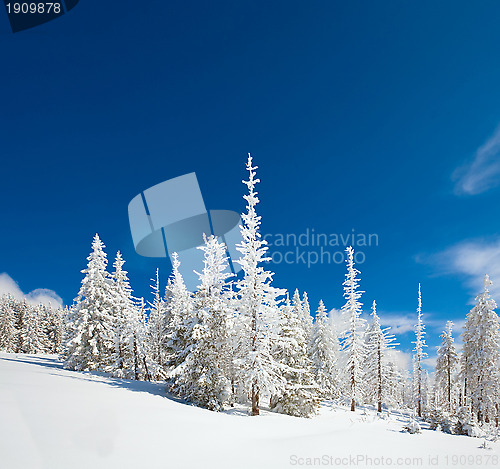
(353,344)
(446,367)
(258,308)
(481,356)
(418,357)
(91,346)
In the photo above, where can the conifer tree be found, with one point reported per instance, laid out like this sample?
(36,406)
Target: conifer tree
(156,326)
(204,376)
(418,357)
(33,339)
(446,367)
(379,377)
(7,324)
(324,352)
(353,338)
(481,356)
(180,318)
(91,345)
(300,395)
(258,308)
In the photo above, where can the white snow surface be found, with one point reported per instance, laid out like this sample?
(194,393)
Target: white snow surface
(52,418)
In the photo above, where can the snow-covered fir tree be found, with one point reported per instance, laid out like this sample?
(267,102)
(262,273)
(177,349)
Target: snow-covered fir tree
(204,377)
(179,316)
(8,331)
(91,345)
(419,357)
(481,356)
(353,344)
(130,358)
(156,327)
(379,374)
(55,328)
(300,397)
(32,337)
(257,307)
(446,368)
(324,352)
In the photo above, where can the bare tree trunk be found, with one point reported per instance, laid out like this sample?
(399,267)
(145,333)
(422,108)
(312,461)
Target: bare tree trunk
(255,400)
(148,376)
(136,361)
(379,379)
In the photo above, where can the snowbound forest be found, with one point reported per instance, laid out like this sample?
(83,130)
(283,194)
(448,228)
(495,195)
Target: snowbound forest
(249,343)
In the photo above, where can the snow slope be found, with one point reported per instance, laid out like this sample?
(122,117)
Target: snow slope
(52,418)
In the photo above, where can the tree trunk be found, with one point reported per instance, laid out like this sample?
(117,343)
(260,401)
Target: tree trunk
(136,361)
(255,400)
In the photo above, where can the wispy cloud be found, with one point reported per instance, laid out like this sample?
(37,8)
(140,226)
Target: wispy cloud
(483,172)
(35,297)
(471,260)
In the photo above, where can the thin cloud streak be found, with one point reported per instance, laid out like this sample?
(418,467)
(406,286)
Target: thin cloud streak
(483,172)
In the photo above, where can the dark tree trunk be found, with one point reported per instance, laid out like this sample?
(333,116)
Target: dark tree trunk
(136,361)
(255,400)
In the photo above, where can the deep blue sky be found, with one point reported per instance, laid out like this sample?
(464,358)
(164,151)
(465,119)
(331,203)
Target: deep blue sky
(357,113)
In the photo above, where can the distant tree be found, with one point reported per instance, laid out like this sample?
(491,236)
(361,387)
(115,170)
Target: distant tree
(324,352)
(446,366)
(33,339)
(8,340)
(300,396)
(156,327)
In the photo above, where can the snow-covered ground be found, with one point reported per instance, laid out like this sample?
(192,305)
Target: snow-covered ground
(52,418)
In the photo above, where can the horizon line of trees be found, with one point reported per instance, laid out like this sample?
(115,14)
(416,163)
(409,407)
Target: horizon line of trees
(244,340)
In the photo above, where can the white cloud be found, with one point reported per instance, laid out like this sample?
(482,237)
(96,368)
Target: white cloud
(471,260)
(483,172)
(35,297)
(399,323)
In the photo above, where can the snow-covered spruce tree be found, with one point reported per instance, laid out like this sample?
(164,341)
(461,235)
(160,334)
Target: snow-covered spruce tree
(91,345)
(130,359)
(55,324)
(418,357)
(353,344)
(144,367)
(180,318)
(8,339)
(156,327)
(446,368)
(303,312)
(300,396)
(324,353)
(33,339)
(204,376)
(258,309)
(21,310)
(481,356)
(379,379)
